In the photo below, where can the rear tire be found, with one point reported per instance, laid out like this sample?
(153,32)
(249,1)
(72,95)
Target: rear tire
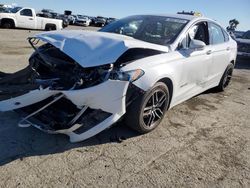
(50,27)
(226,78)
(147,111)
(8,24)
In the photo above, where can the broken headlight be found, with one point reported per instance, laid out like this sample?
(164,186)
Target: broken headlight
(130,76)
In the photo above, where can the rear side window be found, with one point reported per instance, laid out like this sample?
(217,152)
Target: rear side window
(216,34)
(26,12)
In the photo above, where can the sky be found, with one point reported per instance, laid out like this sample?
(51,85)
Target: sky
(220,10)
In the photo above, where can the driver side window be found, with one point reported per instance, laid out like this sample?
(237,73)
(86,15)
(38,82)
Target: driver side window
(26,12)
(197,32)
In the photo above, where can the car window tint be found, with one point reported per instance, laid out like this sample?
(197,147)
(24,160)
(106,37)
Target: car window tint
(217,35)
(26,12)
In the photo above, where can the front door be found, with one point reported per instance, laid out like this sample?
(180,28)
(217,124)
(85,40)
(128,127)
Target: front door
(196,62)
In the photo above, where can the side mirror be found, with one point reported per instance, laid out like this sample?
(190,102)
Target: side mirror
(197,44)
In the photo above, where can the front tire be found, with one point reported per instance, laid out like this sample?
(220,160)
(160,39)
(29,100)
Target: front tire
(147,111)
(226,78)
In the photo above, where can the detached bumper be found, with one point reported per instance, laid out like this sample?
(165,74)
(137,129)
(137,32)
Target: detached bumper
(80,114)
(78,132)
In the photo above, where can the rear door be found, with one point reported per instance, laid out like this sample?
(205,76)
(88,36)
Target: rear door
(26,19)
(219,40)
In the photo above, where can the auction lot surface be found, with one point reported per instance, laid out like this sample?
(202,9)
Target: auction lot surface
(204,142)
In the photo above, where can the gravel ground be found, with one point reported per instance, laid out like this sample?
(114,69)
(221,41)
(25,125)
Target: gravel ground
(204,142)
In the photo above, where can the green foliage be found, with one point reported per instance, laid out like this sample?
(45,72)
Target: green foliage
(233,25)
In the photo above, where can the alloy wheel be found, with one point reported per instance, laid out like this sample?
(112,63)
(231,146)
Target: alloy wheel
(155,107)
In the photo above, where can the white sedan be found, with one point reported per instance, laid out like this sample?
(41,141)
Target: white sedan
(79,82)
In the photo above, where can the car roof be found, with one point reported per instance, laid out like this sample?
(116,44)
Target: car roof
(181,16)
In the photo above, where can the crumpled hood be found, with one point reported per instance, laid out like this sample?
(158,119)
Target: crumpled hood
(91,49)
(245,41)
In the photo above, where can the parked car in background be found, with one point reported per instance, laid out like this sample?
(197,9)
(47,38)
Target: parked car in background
(71,19)
(3,9)
(92,22)
(110,20)
(244,45)
(100,21)
(24,17)
(238,34)
(47,13)
(64,18)
(82,20)
(79,83)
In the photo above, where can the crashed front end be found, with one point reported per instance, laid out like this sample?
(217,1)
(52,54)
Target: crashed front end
(56,94)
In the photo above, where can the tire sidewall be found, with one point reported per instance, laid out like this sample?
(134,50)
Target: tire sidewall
(221,86)
(145,99)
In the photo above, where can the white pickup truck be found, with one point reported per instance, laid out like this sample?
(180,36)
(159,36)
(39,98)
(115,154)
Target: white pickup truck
(23,17)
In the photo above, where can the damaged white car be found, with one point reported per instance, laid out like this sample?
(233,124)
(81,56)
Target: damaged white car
(79,83)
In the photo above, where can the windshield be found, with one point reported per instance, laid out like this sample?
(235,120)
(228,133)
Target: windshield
(246,35)
(154,29)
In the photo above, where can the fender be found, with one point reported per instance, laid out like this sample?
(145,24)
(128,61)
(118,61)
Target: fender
(5,16)
(156,68)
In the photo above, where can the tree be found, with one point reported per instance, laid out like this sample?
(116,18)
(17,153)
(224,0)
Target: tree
(233,25)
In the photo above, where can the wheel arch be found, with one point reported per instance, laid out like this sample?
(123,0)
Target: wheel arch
(8,20)
(52,25)
(169,84)
(233,62)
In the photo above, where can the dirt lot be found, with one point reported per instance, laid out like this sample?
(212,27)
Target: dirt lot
(204,142)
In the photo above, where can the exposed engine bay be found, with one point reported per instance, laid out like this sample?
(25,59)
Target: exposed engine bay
(49,67)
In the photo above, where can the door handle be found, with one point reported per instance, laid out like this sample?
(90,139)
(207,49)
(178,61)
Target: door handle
(30,18)
(209,52)
(228,48)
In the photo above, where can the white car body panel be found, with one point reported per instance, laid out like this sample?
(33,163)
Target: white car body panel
(26,99)
(92,97)
(190,71)
(96,99)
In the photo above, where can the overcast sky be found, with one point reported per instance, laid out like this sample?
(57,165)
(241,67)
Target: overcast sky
(220,10)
